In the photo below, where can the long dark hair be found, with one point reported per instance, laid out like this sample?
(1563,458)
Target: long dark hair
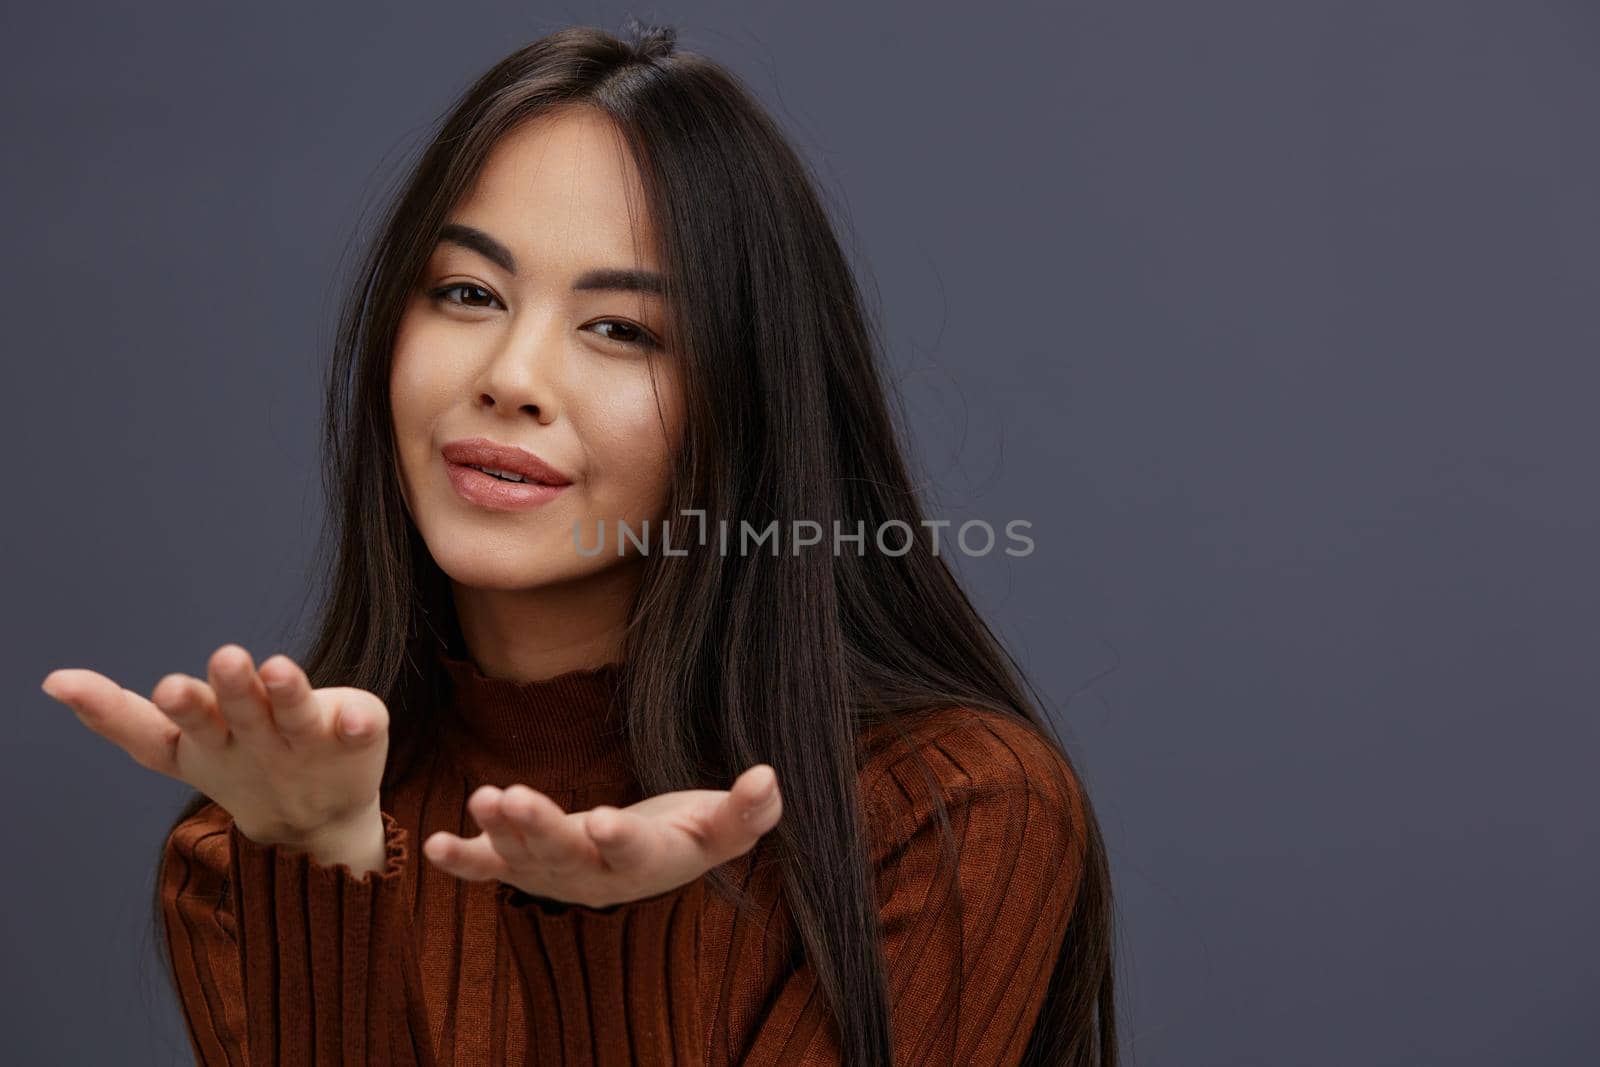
(730,659)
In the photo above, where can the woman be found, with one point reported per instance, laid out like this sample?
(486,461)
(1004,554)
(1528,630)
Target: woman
(609,296)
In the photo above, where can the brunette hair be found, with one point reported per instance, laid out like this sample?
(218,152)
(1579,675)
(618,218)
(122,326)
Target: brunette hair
(731,659)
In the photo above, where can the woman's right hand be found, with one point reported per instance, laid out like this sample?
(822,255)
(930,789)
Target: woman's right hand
(293,765)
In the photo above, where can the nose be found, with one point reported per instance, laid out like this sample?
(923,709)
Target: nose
(526,369)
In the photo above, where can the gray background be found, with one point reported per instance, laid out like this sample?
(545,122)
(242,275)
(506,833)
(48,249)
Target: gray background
(1276,319)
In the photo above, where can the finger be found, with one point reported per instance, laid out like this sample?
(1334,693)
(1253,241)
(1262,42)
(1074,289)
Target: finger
(192,705)
(120,715)
(474,859)
(485,804)
(751,808)
(554,839)
(358,717)
(295,708)
(622,838)
(241,698)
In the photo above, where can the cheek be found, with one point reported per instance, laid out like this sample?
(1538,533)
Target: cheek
(408,393)
(414,400)
(634,442)
(426,369)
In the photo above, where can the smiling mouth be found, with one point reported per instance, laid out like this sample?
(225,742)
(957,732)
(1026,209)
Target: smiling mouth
(500,490)
(504,476)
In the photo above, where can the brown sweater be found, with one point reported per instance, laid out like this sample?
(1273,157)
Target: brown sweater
(280,960)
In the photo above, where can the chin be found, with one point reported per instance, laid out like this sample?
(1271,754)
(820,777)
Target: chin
(503,563)
(504,575)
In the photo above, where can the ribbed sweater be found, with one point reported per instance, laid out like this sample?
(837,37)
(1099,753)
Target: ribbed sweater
(281,960)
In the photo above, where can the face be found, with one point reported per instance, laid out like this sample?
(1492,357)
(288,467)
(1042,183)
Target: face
(524,329)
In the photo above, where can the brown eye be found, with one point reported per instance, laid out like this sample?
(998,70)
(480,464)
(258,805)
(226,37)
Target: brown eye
(443,294)
(628,333)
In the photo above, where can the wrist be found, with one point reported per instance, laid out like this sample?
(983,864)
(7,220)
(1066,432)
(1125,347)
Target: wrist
(357,841)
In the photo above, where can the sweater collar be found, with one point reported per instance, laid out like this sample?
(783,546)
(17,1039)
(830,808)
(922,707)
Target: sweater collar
(554,734)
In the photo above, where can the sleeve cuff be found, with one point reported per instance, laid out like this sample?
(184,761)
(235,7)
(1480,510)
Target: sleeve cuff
(509,896)
(252,859)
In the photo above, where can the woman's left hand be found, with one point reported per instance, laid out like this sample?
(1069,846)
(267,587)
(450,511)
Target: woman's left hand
(608,855)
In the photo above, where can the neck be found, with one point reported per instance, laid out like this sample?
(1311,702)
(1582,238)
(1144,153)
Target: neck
(556,733)
(526,635)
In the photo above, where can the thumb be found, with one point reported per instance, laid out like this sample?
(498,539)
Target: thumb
(752,807)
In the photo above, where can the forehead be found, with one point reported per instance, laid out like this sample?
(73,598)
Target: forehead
(561,186)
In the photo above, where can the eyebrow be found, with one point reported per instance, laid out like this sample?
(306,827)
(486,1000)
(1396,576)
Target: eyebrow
(617,279)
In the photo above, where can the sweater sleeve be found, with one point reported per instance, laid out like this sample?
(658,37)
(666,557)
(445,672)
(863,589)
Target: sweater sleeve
(279,959)
(966,974)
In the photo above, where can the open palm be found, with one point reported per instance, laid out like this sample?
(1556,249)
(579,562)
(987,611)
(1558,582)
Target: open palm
(288,762)
(608,855)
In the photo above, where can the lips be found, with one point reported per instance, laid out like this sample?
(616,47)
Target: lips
(482,452)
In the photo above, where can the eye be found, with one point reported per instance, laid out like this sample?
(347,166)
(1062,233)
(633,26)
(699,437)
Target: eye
(442,295)
(630,334)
